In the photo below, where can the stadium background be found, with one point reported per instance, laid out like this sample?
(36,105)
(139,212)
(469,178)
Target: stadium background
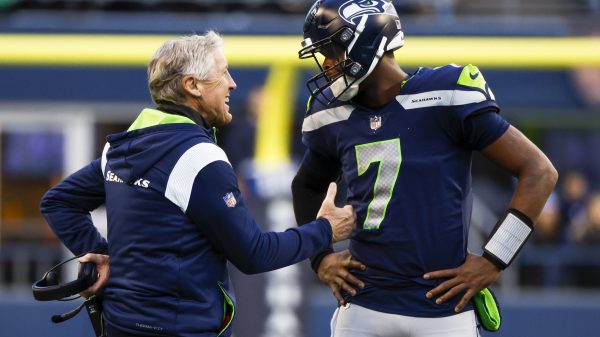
(72,71)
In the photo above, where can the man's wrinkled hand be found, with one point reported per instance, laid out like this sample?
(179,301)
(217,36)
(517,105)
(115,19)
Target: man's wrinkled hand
(342,220)
(102,268)
(334,271)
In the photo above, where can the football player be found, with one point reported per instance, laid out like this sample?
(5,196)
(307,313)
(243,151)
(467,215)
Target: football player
(402,143)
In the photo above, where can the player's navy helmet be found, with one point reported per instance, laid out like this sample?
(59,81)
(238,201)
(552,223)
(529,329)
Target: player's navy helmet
(363,30)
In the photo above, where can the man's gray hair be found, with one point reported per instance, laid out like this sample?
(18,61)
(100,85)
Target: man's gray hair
(188,55)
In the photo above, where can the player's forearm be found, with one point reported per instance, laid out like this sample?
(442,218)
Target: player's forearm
(537,177)
(536,182)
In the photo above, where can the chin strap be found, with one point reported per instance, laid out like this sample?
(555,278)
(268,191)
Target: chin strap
(341,90)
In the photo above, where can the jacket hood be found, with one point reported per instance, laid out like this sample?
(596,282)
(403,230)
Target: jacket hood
(150,138)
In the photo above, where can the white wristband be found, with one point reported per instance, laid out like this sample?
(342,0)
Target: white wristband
(507,238)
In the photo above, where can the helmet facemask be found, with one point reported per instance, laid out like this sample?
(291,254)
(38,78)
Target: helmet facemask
(340,76)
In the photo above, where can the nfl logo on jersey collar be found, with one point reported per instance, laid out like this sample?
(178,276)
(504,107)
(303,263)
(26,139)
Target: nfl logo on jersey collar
(229,200)
(375,122)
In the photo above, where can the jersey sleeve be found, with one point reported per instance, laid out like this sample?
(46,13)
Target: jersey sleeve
(217,207)
(67,206)
(472,94)
(483,129)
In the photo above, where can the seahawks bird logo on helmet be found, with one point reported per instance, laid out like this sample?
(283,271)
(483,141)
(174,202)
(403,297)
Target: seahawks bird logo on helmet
(351,10)
(355,33)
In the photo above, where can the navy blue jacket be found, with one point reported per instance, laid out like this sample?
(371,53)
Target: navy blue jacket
(175,217)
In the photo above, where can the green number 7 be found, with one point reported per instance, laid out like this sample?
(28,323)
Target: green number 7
(387,154)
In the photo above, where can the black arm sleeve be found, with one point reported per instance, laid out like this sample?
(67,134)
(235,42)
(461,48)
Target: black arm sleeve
(308,191)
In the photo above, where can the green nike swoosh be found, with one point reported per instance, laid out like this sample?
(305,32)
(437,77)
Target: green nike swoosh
(474,76)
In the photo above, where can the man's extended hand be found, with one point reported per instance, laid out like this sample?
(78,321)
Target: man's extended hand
(102,268)
(334,271)
(471,277)
(342,220)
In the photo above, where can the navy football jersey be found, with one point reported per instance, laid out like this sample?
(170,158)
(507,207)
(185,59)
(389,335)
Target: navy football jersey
(408,170)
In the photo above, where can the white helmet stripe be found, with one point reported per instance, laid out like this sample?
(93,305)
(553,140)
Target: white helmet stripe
(345,93)
(358,31)
(379,54)
(396,42)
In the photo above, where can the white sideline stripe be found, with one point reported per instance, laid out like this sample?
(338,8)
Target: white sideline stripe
(326,117)
(509,237)
(181,179)
(440,98)
(103,160)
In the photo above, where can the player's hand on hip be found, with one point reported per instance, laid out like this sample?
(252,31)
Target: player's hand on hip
(102,268)
(334,271)
(468,279)
(342,220)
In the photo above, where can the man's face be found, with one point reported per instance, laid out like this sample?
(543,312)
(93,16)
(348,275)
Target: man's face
(214,102)
(331,65)
(333,56)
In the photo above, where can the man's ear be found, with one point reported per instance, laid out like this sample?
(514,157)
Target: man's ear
(192,85)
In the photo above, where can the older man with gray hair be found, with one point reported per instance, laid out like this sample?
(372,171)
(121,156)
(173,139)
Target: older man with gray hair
(175,213)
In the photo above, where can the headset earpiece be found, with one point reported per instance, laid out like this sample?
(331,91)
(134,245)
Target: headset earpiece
(51,278)
(87,271)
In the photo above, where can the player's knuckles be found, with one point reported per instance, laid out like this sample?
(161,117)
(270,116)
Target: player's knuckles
(324,277)
(450,294)
(346,262)
(328,278)
(443,287)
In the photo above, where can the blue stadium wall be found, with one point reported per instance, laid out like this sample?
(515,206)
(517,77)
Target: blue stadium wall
(564,318)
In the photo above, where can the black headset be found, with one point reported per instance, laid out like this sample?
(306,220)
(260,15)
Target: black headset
(48,288)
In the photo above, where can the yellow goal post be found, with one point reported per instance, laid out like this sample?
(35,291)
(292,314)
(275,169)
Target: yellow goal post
(279,54)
